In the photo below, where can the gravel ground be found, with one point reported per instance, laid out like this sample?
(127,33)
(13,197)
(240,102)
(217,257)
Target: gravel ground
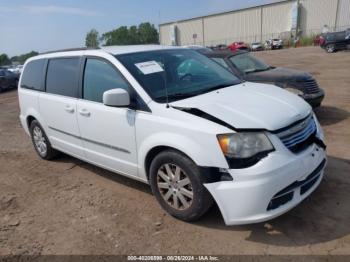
(70,207)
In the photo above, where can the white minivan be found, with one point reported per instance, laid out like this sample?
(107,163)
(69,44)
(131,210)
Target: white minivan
(175,119)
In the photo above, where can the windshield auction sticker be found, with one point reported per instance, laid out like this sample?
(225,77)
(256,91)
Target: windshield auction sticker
(149,67)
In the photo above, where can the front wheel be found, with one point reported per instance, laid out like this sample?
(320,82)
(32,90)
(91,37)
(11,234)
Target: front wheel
(330,48)
(178,186)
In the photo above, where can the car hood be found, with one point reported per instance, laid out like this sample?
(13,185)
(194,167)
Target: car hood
(250,106)
(279,74)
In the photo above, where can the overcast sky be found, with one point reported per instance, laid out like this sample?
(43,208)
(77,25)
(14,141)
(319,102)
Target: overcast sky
(44,25)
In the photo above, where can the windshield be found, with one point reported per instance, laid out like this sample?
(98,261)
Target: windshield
(184,73)
(248,63)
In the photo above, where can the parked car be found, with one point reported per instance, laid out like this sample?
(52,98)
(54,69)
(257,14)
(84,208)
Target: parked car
(199,48)
(175,119)
(238,46)
(317,40)
(252,69)
(256,47)
(275,43)
(335,41)
(8,80)
(219,47)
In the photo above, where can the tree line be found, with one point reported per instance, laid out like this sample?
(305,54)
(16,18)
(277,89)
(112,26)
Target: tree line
(144,33)
(6,60)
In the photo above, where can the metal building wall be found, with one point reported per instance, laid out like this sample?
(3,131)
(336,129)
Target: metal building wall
(241,25)
(343,19)
(276,19)
(317,13)
(261,23)
(164,34)
(186,30)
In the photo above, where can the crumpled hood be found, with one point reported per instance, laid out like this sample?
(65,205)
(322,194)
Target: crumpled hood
(279,74)
(250,106)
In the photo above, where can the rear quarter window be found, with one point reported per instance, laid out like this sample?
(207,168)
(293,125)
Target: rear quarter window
(33,75)
(62,76)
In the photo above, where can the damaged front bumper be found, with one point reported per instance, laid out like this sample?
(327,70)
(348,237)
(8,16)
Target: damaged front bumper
(270,188)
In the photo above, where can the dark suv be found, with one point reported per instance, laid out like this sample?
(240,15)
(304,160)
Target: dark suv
(249,68)
(335,41)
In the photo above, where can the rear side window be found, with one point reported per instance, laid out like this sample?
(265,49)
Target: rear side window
(62,76)
(32,76)
(100,76)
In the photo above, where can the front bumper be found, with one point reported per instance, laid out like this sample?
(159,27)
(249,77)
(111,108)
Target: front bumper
(247,199)
(314,100)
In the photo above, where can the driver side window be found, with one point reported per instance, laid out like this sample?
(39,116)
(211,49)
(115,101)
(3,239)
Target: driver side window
(100,76)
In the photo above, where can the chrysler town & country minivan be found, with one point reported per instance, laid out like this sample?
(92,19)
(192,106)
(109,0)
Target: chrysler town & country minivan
(177,120)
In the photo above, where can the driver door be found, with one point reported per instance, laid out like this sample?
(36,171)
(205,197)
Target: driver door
(108,133)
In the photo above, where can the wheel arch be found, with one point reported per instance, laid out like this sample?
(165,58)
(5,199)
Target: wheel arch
(29,120)
(153,152)
(186,145)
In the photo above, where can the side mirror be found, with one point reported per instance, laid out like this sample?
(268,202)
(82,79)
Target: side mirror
(116,97)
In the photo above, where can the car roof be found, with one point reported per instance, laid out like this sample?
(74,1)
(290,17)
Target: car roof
(224,54)
(118,50)
(113,50)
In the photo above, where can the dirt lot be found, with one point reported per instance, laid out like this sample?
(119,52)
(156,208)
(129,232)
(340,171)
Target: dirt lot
(70,207)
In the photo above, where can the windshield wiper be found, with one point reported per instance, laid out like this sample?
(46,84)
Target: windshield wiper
(257,70)
(191,94)
(180,95)
(213,88)
(176,96)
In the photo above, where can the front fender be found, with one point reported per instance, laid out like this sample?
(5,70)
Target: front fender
(198,152)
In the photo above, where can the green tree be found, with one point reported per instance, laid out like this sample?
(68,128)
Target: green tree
(145,33)
(4,60)
(148,34)
(119,36)
(22,58)
(92,39)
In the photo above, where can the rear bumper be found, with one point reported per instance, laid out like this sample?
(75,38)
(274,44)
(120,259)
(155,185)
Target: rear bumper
(249,199)
(315,100)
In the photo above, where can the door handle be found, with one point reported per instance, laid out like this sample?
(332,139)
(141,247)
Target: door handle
(84,112)
(69,109)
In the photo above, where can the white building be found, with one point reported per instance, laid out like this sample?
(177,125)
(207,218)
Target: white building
(258,23)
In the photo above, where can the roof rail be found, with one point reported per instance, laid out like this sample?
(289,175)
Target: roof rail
(70,49)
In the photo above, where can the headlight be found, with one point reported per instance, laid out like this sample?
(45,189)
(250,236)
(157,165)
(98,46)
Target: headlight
(294,91)
(244,145)
(289,88)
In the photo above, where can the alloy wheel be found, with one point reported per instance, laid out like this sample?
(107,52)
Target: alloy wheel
(330,48)
(39,141)
(174,186)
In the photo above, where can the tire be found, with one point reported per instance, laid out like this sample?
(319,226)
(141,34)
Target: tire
(188,181)
(41,143)
(330,48)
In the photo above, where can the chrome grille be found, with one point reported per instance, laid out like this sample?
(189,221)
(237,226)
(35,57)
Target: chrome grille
(310,86)
(297,137)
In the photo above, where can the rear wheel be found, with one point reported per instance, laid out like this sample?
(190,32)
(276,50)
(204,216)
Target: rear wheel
(178,186)
(330,48)
(40,141)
